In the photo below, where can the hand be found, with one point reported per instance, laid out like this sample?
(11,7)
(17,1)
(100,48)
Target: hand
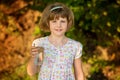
(34,51)
(37,51)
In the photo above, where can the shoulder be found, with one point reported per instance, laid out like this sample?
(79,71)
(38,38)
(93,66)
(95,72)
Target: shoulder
(75,43)
(38,41)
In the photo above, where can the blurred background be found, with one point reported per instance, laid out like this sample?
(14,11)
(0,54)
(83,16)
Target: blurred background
(97,27)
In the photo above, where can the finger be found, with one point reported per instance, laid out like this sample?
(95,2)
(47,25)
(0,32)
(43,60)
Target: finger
(34,49)
(33,54)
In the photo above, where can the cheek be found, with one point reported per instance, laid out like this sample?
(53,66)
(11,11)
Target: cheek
(51,26)
(65,26)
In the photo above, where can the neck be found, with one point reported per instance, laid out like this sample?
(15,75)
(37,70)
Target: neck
(58,40)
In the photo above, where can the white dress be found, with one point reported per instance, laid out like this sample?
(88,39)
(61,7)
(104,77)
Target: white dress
(58,62)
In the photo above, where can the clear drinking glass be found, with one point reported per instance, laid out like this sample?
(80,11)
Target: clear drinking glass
(39,56)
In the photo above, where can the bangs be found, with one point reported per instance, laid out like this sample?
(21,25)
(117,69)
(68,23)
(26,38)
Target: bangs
(57,14)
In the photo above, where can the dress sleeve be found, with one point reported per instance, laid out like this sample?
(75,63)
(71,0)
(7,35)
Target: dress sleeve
(79,51)
(36,42)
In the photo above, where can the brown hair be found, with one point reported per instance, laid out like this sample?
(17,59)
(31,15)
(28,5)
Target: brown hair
(54,11)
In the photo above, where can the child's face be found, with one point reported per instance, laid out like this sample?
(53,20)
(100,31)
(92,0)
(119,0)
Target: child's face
(58,26)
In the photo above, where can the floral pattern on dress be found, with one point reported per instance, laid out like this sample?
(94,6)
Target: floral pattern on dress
(58,62)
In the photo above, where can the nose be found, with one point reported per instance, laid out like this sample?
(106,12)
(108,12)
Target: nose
(58,24)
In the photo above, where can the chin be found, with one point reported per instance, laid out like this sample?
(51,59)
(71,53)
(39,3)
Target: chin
(59,34)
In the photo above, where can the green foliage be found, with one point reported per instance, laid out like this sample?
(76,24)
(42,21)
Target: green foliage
(37,31)
(19,73)
(97,64)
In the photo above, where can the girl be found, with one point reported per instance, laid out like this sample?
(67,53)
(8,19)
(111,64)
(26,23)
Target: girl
(61,54)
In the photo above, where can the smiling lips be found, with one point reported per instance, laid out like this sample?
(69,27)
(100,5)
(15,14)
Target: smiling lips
(58,29)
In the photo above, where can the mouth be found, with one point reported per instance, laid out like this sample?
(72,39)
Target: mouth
(58,29)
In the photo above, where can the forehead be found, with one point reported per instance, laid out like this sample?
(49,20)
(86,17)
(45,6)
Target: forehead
(60,18)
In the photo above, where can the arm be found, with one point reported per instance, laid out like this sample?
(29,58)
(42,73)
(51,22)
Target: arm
(34,62)
(78,70)
(32,69)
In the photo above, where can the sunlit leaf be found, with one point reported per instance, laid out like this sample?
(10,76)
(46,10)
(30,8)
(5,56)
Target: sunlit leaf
(118,29)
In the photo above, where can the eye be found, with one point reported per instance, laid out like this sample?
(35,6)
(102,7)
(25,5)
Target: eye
(63,21)
(53,21)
